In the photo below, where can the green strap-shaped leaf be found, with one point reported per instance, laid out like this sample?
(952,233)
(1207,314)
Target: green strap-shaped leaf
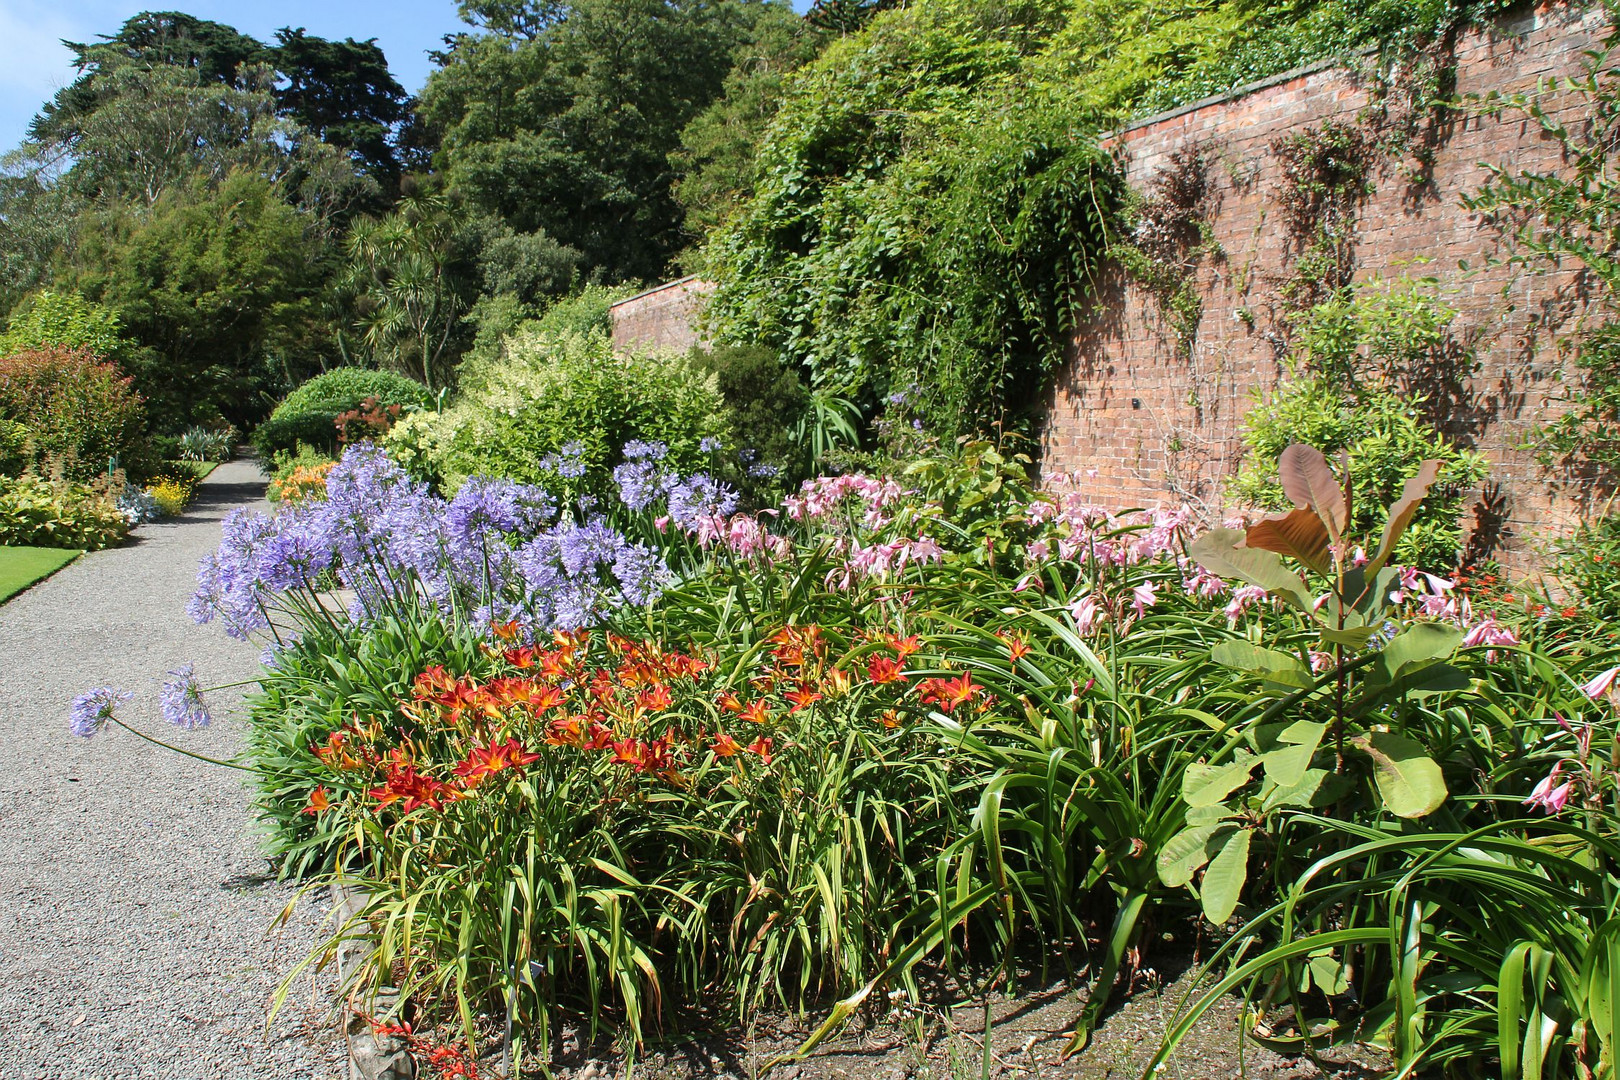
(1409,781)
(1223,881)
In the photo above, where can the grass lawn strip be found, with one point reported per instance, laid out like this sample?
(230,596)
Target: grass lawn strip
(21,567)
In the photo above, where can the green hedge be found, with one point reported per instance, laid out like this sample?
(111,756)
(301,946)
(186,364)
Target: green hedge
(307,414)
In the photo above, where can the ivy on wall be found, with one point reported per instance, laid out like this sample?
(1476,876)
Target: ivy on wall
(930,207)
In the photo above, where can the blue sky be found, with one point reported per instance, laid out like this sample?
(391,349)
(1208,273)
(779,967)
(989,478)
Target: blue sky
(34,65)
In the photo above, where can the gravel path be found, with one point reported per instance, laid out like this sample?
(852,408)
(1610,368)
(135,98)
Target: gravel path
(135,909)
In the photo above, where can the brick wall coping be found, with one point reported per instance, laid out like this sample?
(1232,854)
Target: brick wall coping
(1335,61)
(656,288)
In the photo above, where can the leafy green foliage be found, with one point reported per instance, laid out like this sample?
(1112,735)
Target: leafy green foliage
(37,512)
(767,404)
(205,281)
(80,412)
(1569,216)
(308,415)
(561,124)
(927,236)
(408,275)
(340,92)
(547,393)
(1589,565)
(927,204)
(1358,363)
(715,160)
(49,318)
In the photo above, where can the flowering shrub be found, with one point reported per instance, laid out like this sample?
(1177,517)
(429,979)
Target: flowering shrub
(563,400)
(173,493)
(309,414)
(592,758)
(79,410)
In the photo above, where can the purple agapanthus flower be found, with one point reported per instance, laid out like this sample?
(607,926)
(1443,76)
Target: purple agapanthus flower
(640,483)
(180,700)
(700,497)
(93,708)
(568,462)
(638,450)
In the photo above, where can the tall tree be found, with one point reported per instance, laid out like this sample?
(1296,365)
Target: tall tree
(568,132)
(211,280)
(343,94)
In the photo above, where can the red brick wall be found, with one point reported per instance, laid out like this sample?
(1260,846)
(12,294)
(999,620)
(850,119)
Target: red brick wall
(665,318)
(1141,424)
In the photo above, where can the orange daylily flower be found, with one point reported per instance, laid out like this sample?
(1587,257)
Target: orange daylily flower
(757,712)
(883,669)
(520,658)
(902,646)
(762,747)
(1017,647)
(506,631)
(949,693)
(655,698)
(317,801)
(802,697)
(729,702)
(725,746)
(484,762)
(836,681)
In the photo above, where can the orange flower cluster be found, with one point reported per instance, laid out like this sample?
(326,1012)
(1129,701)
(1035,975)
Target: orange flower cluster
(304,484)
(631,704)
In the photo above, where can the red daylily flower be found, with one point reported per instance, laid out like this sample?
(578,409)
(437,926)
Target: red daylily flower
(883,670)
(484,762)
(949,693)
(762,747)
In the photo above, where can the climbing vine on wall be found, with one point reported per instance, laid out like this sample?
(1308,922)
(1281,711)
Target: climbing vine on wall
(1169,236)
(1571,218)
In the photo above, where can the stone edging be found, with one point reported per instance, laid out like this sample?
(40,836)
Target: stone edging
(371,1056)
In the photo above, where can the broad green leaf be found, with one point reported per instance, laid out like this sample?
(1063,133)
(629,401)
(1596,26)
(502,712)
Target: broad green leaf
(1207,815)
(1419,643)
(1205,785)
(1351,637)
(1328,974)
(1218,551)
(1286,765)
(1269,664)
(1223,881)
(1184,853)
(1301,794)
(1409,781)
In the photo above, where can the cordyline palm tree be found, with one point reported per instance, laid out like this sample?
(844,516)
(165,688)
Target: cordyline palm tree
(401,269)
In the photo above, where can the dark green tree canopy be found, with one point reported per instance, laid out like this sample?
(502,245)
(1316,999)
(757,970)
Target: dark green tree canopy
(339,91)
(561,120)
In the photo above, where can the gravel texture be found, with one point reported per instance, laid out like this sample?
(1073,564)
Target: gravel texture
(136,911)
